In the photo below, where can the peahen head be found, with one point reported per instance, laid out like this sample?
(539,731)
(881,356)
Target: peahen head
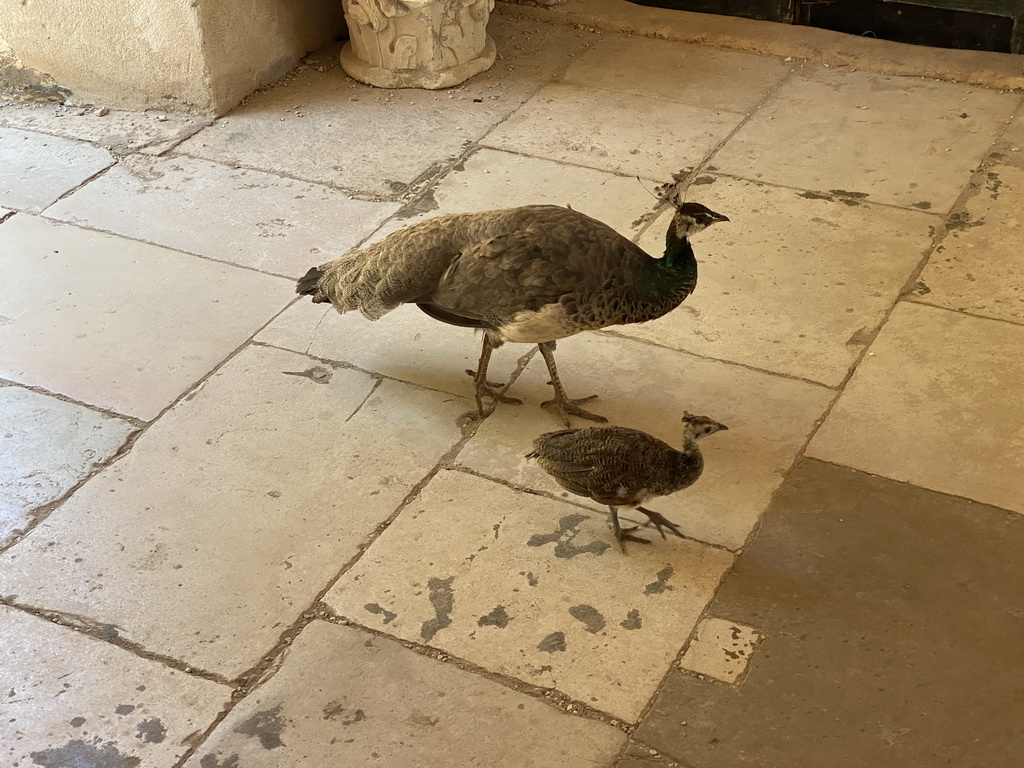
(700,426)
(691,218)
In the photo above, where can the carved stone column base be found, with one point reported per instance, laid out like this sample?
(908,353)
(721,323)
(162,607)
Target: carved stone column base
(384,77)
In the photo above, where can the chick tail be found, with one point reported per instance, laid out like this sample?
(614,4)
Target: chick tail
(309,284)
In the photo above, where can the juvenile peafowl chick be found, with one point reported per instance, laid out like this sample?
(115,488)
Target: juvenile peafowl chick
(624,467)
(532,274)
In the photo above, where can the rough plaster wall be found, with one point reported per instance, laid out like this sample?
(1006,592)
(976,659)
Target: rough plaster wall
(249,43)
(128,53)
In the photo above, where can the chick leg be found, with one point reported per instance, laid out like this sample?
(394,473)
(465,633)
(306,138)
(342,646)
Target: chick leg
(483,387)
(661,522)
(622,536)
(561,402)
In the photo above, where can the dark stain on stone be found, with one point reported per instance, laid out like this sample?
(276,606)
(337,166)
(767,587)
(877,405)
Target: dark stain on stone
(632,620)
(124,709)
(994,184)
(77,722)
(924,205)
(850,195)
(661,585)
(962,220)
(423,720)
(590,616)
(443,599)
(346,716)
(815,195)
(553,642)
(919,289)
(532,580)
(107,632)
(267,725)
(425,204)
(210,761)
(78,754)
(496,527)
(701,180)
(317,373)
(564,536)
(860,337)
(151,731)
(388,615)
(497,618)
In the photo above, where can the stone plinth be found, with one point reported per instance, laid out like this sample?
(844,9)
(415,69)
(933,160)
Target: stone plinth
(417,43)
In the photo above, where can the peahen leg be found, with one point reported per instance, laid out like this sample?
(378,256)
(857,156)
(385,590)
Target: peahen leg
(661,523)
(623,536)
(483,387)
(561,402)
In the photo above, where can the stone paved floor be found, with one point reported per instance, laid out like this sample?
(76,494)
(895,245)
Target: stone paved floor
(239,530)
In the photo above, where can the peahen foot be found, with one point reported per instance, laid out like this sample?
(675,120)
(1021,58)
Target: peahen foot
(660,522)
(566,407)
(622,536)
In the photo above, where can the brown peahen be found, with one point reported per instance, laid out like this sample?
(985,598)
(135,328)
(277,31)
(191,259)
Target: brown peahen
(532,274)
(623,467)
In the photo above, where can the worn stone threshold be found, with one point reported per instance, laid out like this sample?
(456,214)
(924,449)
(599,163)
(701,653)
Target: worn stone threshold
(988,70)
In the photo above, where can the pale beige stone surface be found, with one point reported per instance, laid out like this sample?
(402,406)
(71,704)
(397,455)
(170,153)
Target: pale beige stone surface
(71,700)
(790,284)
(721,649)
(691,74)
(321,126)
(978,267)
(46,446)
(116,323)
(405,344)
(348,698)
(253,493)
(36,169)
(648,388)
(118,130)
(598,129)
(237,215)
(532,588)
(938,402)
(889,139)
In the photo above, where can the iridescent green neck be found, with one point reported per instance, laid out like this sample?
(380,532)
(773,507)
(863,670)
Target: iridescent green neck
(678,266)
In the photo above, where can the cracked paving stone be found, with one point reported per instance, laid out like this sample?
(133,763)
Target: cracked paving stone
(721,649)
(439,564)
(347,698)
(235,509)
(114,710)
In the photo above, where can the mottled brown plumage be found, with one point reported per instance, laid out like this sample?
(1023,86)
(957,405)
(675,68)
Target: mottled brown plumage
(531,274)
(623,467)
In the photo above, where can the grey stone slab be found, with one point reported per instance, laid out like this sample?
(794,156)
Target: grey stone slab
(648,388)
(892,619)
(36,169)
(977,267)
(245,217)
(664,69)
(46,446)
(321,126)
(236,508)
(534,589)
(792,284)
(70,700)
(899,140)
(938,402)
(600,129)
(346,697)
(116,323)
(118,130)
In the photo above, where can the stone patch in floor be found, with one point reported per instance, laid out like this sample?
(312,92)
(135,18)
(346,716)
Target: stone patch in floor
(905,141)
(792,283)
(318,124)
(534,589)
(347,697)
(648,388)
(46,446)
(721,649)
(559,123)
(36,169)
(71,700)
(938,402)
(249,218)
(892,618)
(236,508)
(118,130)
(119,324)
(690,74)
